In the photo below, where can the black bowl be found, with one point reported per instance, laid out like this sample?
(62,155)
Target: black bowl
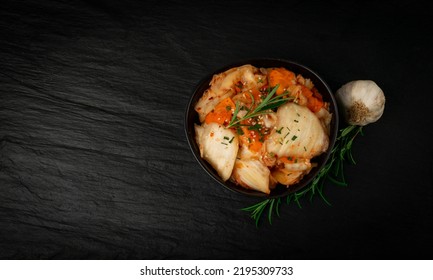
(191,118)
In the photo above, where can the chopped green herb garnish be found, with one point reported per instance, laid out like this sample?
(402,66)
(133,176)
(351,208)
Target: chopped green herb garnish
(224,143)
(226,138)
(255,127)
(228,108)
(298,114)
(279,130)
(286,134)
(305,149)
(296,121)
(239,131)
(231,140)
(294,137)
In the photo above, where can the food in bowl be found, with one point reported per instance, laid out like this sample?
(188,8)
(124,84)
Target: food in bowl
(260,127)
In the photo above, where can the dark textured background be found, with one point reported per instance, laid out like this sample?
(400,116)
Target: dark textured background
(93,158)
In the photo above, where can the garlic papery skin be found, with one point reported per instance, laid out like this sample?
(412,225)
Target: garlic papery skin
(362,102)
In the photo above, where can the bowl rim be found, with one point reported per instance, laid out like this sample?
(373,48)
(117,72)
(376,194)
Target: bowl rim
(251,61)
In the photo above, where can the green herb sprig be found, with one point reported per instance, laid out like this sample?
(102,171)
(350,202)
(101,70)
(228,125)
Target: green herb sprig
(332,171)
(270,102)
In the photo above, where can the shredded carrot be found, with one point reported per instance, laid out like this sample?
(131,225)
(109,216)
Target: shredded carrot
(314,104)
(222,113)
(255,93)
(255,146)
(306,92)
(282,77)
(317,94)
(314,99)
(250,139)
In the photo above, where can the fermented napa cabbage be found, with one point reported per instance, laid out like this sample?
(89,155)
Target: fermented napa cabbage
(219,146)
(298,133)
(252,174)
(292,172)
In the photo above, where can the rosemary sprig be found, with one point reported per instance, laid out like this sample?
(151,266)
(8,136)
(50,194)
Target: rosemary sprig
(270,102)
(332,171)
(258,209)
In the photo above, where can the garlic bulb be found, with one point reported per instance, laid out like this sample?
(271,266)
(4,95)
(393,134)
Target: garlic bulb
(362,102)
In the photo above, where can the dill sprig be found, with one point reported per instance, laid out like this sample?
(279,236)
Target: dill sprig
(270,102)
(332,171)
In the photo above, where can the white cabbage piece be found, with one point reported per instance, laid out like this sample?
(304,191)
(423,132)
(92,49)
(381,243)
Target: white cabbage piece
(325,117)
(298,165)
(245,153)
(306,82)
(298,133)
(286,177)
(221,87)
(292,172)
(252,174)
(219,146)
(269,120)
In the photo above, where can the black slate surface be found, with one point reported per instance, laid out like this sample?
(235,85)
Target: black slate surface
(94,163)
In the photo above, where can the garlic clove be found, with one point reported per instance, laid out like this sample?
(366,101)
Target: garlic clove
(362,102)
